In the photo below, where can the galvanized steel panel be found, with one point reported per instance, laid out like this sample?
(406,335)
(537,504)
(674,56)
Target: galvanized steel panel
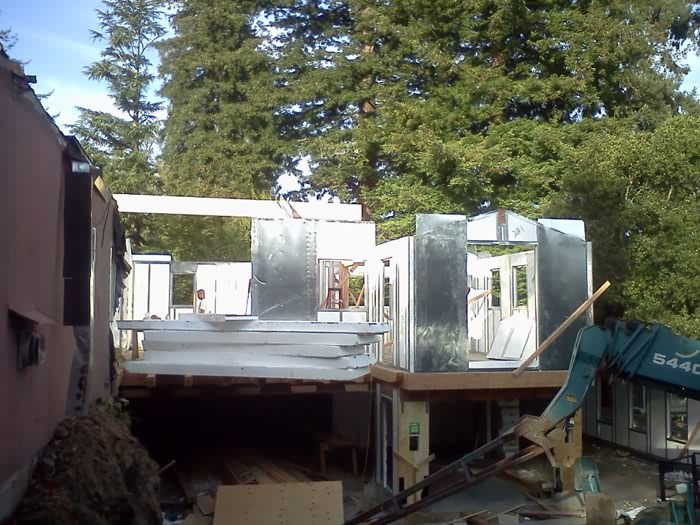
(284,269)
(399,256)
(573,227)
(562,286)
(440,293)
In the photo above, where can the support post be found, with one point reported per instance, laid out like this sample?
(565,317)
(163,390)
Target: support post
(413,454)
(568,451)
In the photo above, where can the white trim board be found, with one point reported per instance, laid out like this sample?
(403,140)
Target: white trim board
(258,359)
(245,325)
(261,209)
(161,338)
(197,369)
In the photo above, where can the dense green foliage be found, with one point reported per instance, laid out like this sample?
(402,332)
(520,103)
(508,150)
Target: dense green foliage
(568,107)
(639,194)
(221,134)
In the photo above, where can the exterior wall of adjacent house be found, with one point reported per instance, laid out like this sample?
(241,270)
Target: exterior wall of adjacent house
(36,161)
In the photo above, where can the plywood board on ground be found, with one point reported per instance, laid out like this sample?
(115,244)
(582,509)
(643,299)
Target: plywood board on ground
(317,503)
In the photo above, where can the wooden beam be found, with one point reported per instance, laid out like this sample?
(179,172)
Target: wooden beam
(477,297)
(151,380)
(387,374)
(188,381)
(129,379)
(562,328)
(249,390)
(135,393)
(483,380)
(494,394)
(213,207)
(469,380)
(303,389)
(356,388)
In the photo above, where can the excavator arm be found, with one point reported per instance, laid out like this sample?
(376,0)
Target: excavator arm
(649,353)
(628,350)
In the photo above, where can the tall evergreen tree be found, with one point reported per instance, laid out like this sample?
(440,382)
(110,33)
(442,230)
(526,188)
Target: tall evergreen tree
(638,193)
(221,135)
(471,102)
(124,145)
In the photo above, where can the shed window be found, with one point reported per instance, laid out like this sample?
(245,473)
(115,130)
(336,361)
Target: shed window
(638,408)
(183,289)
(495,288)
(677,410)
(520,285)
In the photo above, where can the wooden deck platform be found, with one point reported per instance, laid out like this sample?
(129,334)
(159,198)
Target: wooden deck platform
(475,384)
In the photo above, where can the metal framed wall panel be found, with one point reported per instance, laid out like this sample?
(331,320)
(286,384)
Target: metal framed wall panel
(561,287)
(284,258)
(398,254)
(440,288)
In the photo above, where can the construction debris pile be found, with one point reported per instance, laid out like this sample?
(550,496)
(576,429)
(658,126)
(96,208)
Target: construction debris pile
(93,472)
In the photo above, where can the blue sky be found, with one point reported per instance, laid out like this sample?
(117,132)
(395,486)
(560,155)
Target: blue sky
(54,37)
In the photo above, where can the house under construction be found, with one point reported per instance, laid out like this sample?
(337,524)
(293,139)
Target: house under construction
(412,342)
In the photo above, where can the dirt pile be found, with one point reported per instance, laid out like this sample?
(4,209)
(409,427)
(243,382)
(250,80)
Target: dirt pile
(93,472)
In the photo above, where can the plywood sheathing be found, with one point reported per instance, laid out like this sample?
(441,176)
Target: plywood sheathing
(318,503)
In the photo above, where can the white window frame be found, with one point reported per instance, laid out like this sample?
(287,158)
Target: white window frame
(668,419)
(645,407)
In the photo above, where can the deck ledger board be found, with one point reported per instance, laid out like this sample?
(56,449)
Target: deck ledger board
(469,380)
